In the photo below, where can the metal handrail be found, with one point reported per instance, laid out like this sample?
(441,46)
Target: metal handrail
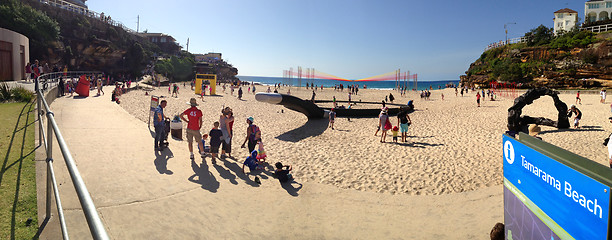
(509,41)
(89,209)
(48,80)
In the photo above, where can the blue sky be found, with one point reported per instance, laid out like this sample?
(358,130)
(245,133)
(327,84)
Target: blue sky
(348,38)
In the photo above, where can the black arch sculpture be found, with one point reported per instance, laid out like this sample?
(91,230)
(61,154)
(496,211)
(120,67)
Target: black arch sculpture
(312,111)
(516,122)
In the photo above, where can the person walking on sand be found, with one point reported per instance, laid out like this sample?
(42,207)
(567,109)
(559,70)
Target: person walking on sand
(478,98)
(332,117)
(99,83)
(202,91)
(578,100)
(312,99)
(603,95)
(253,135)
(578,115)
(175,90)
(403,120)
(226,121)
(194,124)
(384,124)
(158,123)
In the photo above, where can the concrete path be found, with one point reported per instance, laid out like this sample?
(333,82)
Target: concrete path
(143,195)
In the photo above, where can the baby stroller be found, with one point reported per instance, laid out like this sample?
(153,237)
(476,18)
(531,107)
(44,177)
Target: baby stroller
(164,143)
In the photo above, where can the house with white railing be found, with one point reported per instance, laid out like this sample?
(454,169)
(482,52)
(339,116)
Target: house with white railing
(597,16)
(597,10)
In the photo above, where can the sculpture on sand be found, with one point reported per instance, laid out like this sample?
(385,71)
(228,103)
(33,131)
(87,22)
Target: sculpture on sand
(517,123)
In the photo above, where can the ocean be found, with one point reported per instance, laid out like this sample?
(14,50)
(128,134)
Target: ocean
(422,85)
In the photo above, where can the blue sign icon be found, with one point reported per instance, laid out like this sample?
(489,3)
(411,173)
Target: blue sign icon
(569,204)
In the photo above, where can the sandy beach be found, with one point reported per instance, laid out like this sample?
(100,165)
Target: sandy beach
(454,146)
(348,185)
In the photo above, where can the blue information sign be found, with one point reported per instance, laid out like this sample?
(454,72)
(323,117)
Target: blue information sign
(569,203)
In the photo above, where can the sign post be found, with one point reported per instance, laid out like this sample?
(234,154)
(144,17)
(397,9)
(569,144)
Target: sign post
(550,193)
(154,104)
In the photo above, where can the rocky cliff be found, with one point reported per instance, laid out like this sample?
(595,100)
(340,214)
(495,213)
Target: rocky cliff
(86,43)
(580,67)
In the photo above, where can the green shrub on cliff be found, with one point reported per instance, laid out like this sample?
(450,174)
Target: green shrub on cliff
(177,68)
(34,24)
(506,70)
(539,36)
(572,39)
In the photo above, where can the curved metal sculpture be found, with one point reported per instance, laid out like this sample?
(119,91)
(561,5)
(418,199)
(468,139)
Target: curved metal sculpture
(308,108)
(516,123)
(312,111)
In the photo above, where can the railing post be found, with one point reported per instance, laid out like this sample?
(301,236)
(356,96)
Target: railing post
(49,160)
(38,112)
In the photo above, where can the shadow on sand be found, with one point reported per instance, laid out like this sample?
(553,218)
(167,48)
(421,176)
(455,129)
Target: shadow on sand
(291,189)
(581,129)
(237,169)
(309,129)
(161,161)
(204,177)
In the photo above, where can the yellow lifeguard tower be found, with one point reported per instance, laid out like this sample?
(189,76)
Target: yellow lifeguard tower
(201,78)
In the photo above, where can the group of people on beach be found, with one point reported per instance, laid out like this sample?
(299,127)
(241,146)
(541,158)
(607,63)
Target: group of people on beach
(220,138)
(384,124)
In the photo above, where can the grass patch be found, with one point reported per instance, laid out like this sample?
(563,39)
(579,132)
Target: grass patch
(17,171)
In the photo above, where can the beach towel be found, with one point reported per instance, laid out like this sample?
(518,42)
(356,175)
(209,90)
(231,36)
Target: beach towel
(387,124)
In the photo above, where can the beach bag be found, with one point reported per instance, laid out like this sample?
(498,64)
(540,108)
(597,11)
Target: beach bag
(253,135)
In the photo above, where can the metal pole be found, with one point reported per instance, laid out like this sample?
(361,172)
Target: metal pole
(49,160)
(38,112)
(58,203)
(89,209)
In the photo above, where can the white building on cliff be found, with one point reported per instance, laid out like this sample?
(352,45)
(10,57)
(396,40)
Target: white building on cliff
(565,19)
(597,10)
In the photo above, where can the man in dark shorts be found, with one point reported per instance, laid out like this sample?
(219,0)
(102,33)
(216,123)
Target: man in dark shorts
(216,136)
(158,123)
(573,109)
(403,120)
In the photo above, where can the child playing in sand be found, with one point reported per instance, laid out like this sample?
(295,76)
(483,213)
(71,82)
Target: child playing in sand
(395,132)
(251,162)
(215,141)
(204,137)
(281,174)
(261,153)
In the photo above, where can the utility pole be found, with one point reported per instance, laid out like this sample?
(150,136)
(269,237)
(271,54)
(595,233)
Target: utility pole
(506,30)
(137,23)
